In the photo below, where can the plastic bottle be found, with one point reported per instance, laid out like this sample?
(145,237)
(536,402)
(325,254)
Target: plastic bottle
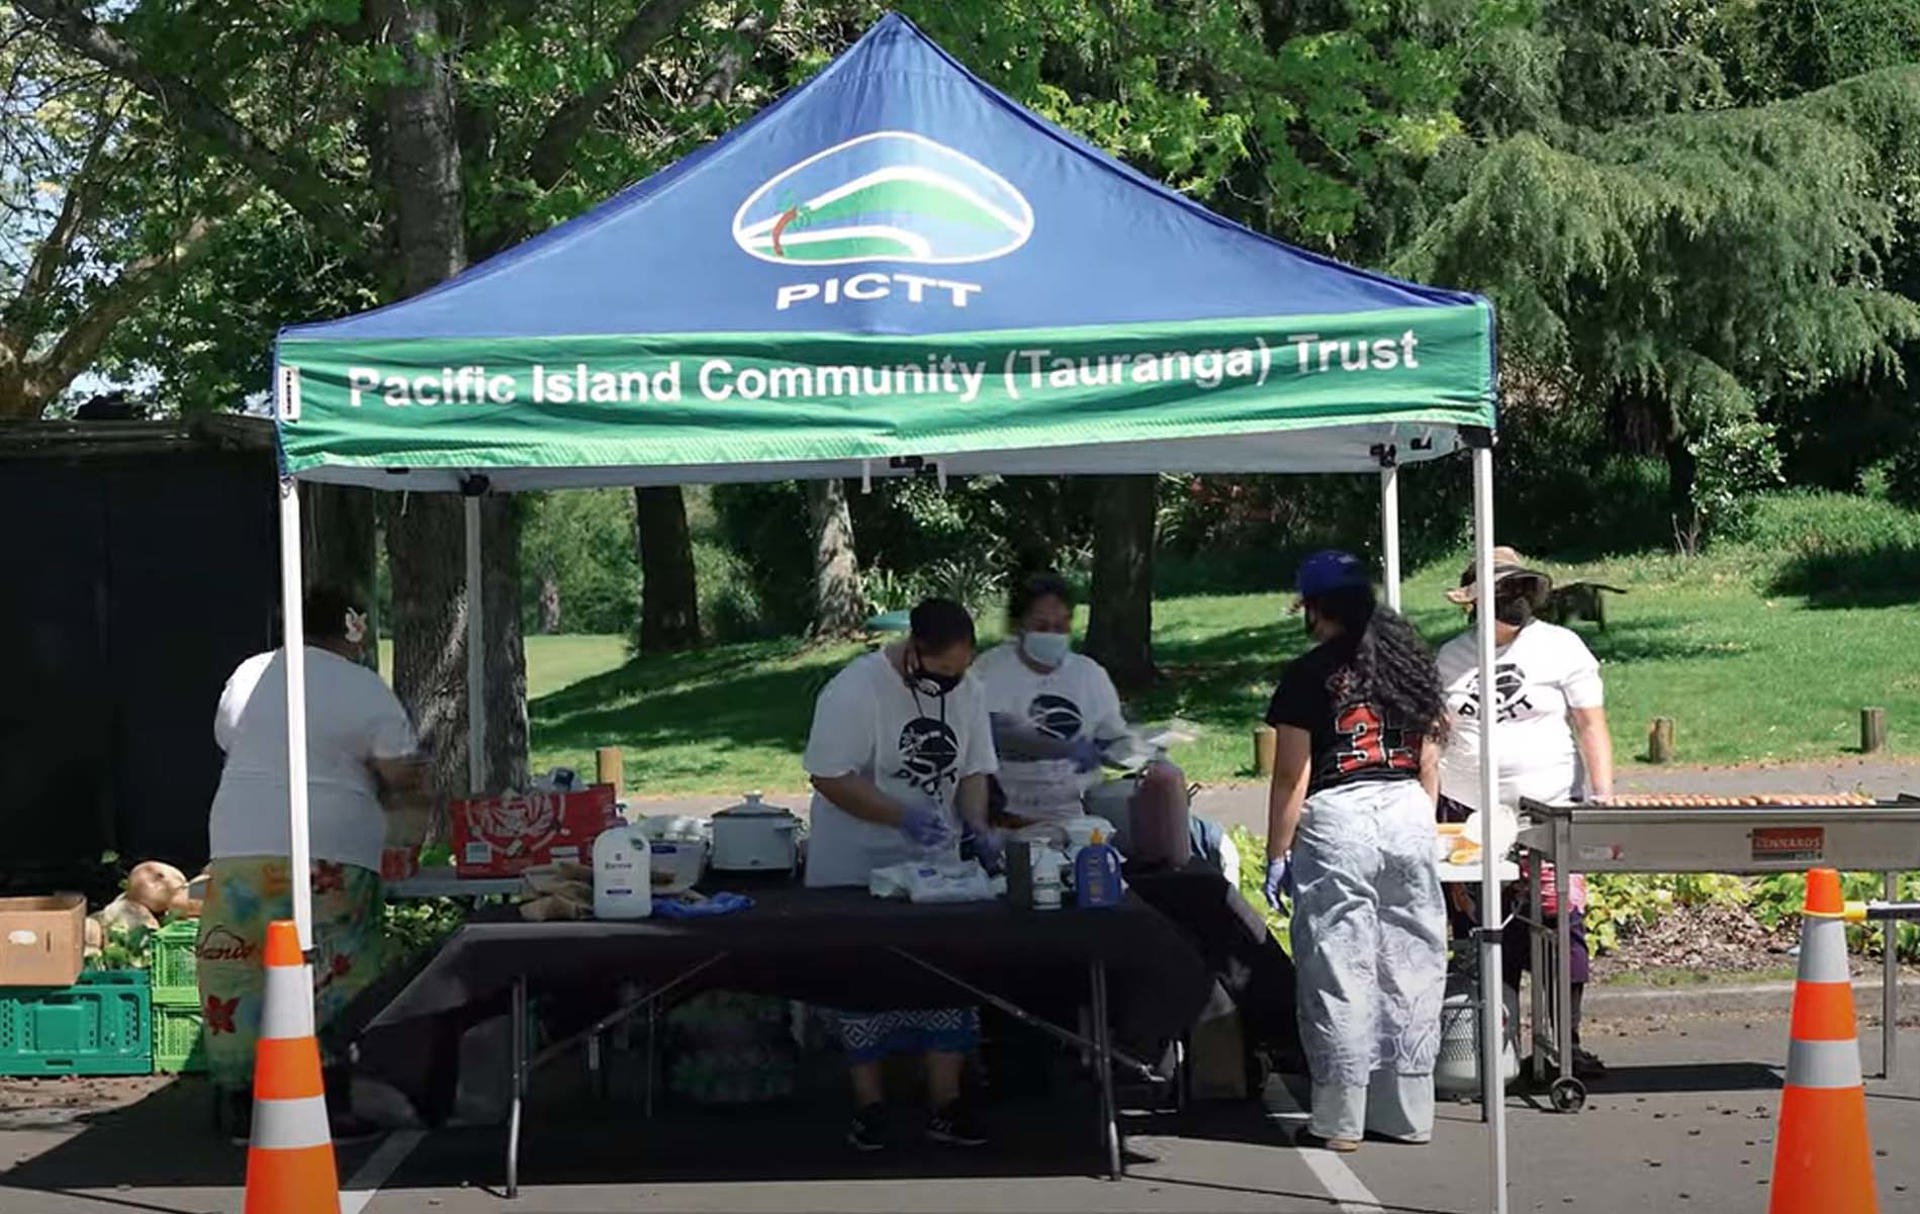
(1096,874)
(622,875)
(1046,879)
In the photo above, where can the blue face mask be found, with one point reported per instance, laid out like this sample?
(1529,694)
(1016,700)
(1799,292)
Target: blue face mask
(1048,649)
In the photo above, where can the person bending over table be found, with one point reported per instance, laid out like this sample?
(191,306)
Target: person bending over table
(1350,829)
(361,755)
(1055,712)
(1555,747)
(899,755)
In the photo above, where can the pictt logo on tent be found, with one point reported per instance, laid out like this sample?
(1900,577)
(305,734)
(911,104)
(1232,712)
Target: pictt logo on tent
(891,197)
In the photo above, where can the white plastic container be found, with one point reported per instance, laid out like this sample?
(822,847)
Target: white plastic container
(622,875)
(1047,881)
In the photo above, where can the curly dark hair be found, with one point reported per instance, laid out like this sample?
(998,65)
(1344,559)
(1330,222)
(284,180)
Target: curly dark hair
(1390,665)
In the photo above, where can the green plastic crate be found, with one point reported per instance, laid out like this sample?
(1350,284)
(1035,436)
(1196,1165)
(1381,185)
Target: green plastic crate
(101,1025)
(179,1047)
(172,962)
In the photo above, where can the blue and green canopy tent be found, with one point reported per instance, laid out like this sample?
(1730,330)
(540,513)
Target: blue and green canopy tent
(893,269)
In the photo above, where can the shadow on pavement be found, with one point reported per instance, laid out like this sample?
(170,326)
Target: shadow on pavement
(165,1141)
(1686,1077)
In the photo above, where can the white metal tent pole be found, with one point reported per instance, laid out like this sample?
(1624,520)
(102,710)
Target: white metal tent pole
(1492,1000)
(293,637)
(476,657)
(1390,527)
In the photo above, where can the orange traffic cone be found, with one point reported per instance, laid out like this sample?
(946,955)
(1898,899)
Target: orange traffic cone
(290,1168)
(1822,1161)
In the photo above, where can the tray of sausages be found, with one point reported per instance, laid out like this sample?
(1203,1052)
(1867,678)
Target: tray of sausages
(1843,800)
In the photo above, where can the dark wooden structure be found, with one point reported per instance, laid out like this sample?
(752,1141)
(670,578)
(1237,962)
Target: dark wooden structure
(141,565)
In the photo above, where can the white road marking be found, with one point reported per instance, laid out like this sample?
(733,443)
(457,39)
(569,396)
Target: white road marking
(378,1169)
(1328,1168)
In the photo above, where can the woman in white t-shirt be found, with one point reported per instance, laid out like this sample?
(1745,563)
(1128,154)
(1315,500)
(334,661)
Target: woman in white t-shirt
(1554,744)
(361,754)
(899,755)
(1055,713)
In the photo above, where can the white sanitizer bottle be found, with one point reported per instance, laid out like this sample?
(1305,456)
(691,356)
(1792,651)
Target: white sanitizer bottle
(622,875)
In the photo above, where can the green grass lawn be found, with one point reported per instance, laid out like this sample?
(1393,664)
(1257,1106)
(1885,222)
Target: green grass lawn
(1745,676)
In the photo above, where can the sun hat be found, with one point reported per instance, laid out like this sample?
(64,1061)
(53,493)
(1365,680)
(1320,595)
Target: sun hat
(1330,571)
(1507,565)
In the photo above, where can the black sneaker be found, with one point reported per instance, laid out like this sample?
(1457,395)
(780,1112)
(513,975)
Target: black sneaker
(868,1133)
(956,1126)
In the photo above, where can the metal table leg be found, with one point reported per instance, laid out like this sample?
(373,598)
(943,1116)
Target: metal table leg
(517,1053)
(1103,1065)
(1890,984)
(1538,950)
(1563,970)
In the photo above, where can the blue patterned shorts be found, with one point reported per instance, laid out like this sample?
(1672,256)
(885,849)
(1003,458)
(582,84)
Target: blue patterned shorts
(871,1036)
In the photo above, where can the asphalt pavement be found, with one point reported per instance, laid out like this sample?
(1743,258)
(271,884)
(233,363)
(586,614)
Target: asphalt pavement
(1684,1122)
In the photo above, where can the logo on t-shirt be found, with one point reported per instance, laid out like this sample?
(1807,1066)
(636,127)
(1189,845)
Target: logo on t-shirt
(1056,716)
(1509,689)
(929,755)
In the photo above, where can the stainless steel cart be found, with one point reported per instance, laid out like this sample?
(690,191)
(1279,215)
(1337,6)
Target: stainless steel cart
(1742,839)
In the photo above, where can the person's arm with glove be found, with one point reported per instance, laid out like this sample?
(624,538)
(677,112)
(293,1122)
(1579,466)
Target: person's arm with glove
(1286,799)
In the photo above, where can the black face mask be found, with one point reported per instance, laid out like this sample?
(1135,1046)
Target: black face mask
(1513,612)
(930,682)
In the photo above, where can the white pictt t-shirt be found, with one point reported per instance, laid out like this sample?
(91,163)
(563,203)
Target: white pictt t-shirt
(352,719)
(914,747)
(1544,673)
(1074,700)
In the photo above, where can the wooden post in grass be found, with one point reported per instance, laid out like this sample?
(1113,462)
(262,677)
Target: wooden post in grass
(1265,743)
(1660,741)
(1873,730)
(610,768)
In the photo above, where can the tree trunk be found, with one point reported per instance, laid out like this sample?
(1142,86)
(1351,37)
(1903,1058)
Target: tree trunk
(839,602)
(426,546)
(549,605)
(1120,614)
(669,593)
(338,547)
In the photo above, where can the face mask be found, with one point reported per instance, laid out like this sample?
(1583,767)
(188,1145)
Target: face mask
(1048,649)
(931,682)
(1516,613)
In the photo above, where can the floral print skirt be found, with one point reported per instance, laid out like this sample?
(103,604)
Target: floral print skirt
(246,894)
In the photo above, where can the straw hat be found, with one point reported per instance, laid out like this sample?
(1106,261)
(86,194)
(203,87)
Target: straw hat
(1507,564)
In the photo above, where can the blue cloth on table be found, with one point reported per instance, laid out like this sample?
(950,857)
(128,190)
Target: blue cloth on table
(718,904)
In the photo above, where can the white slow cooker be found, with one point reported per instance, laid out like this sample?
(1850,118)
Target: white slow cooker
(755,837)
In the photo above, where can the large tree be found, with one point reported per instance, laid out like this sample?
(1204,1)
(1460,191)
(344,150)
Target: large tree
(406,136)
(101,211)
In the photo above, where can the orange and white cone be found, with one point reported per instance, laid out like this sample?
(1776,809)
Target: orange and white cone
(1822,1161)
(290,1167)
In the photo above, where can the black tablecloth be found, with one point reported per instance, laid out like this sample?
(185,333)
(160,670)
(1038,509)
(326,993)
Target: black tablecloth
(1236,947)
(827,947)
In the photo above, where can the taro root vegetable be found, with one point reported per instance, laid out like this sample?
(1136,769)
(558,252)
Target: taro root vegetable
(155,885)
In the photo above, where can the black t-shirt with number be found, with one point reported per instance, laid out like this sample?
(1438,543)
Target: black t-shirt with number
(1353,740)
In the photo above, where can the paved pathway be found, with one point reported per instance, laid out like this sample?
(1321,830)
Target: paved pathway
(1685,1123)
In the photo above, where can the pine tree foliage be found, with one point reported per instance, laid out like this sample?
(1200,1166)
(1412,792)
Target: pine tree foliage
(1705,257)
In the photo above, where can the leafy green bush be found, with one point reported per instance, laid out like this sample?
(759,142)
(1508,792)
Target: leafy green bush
(1619,904)
(730,606)
(1253,881)
(581,543)
(1834,546)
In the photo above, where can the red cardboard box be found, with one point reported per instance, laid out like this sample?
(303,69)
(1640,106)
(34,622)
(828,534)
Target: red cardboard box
(506,835)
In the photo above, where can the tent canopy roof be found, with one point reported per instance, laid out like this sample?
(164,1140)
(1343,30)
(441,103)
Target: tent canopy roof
(894,261)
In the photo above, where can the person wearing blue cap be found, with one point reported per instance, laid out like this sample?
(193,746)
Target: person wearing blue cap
(1350,836)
